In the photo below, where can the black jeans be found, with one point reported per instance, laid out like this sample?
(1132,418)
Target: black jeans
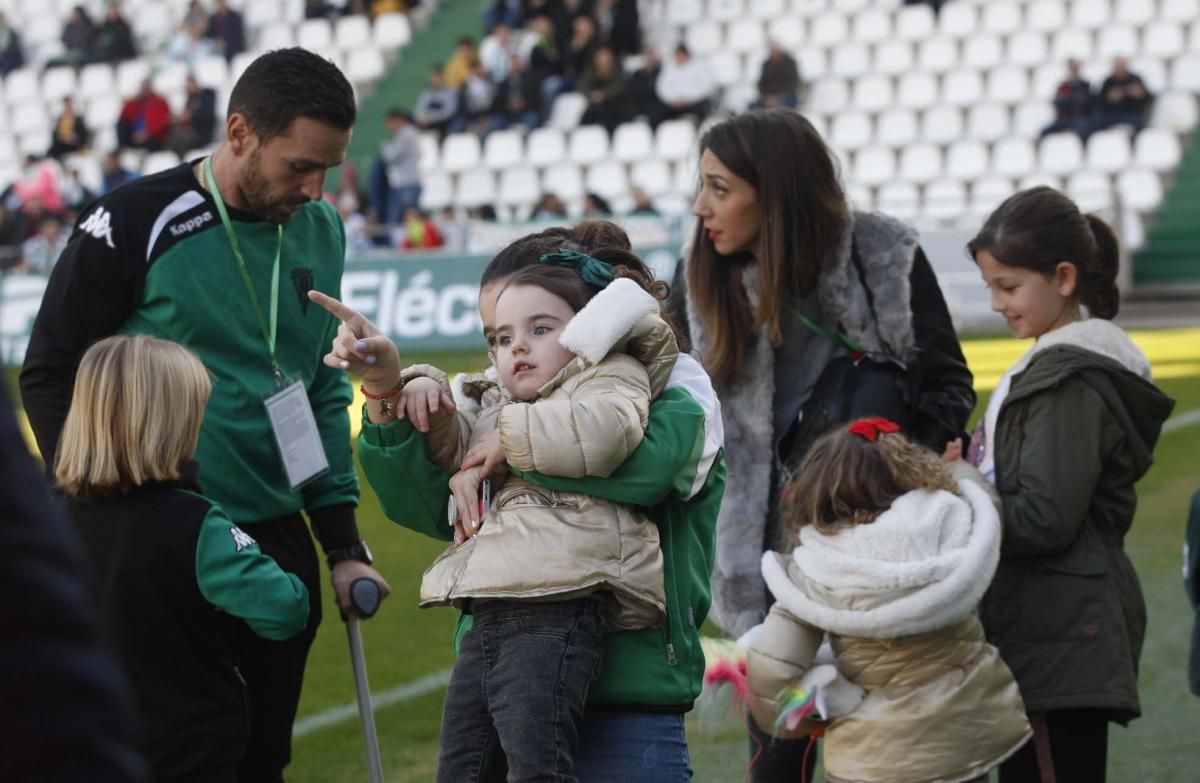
(780,761)
(516,696)
(274,671)
(1078,748)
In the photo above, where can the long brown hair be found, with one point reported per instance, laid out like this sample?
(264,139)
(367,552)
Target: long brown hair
(1039,228)
(804,214)
(848,480)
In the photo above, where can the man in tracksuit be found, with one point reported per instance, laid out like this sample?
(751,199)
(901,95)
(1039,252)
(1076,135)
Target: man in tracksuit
(219,254)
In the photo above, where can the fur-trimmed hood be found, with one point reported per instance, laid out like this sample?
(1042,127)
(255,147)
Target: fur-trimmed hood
(921,565)
(1097,335)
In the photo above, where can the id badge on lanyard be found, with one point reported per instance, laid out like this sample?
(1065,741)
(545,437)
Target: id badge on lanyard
(287,404)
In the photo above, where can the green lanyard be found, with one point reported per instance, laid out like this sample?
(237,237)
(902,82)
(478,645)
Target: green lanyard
(837,338)
(270,332)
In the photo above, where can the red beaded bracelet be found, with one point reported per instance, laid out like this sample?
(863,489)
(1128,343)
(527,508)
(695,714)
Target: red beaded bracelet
(386,406)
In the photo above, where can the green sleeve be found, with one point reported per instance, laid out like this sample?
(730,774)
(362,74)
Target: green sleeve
(235,575)
(1057,470)
(665,463)
(330,395)
(413,491)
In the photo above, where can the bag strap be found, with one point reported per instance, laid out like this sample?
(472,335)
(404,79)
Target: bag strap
(1041,744)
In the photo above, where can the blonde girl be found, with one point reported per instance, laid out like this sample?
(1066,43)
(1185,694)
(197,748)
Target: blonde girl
(893,549)
(175,579)
(1068,431)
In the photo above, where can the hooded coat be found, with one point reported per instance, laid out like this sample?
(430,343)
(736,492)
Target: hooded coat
(897,597)
(1075,432)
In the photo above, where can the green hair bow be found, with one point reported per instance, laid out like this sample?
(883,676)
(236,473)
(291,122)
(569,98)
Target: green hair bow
(592,270)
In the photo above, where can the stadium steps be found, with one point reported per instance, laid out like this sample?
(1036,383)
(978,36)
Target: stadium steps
(1171,254)
(403,82)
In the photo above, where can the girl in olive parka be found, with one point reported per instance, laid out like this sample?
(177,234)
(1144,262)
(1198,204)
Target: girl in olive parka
(1069,430)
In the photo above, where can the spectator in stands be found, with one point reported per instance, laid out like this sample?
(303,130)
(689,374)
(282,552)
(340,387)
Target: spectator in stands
(518,98)
(935,4)
(474,102)
(197,120)
(226,30)
(70,134)
(12,235)
(419,232)
(196,17)
(188,43)
(549,207)
(145,120)
(642,205)
(114,38)
(546,61)
(619,25)
(603,84)
(12,55)
(76,195)
(686,85)
(495,53)
(453,231)
(1124,99)
(379,7)
(437,104)
(459,66)
(318,9)
(42,249)
(1072,104)
(77,36)
(578,55)
(485,213)
(596,206)
(643,89)
(503,12)
(38,191)
(112,173)
(400,156)
(779,80)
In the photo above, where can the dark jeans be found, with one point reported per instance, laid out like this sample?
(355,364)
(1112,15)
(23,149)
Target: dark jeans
(633,747)
(516,696)
(780,761)
(1134,119)
(1078,747)
(1082,126)
(274,671)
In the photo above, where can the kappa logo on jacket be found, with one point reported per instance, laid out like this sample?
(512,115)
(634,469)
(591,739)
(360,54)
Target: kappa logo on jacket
(241,539)
(191,224)
(99,226)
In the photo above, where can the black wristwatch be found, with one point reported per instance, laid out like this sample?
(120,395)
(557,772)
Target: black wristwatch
(357,551)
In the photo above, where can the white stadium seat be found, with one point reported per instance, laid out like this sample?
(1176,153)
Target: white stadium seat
(746,35)
(894,58)
(1013,157)
(1091,190)
(874,166)
(564,180)
(1117,41)
(1071,42)
(899,199)
(967,160)
(430,151)
(829,30)
(278,35)
(365,65)
(915,22)
(962,88)
(684,12)
(545,147)
(828,96)
(982,52)
(1027,48)
(874,25)
(770,10)
(1176,110)
(1185,73)
(897,127)
(607,179)
(1162,39)
(944,199)
(460,152)
(159,161)
(873,93)
(1140,189)
(587,144)
(633,141)
(725,10)
(352,32)
(475,188)
(315,34)
(1108,150)
(1060,153)
(1157,149)
(938,55)
(673,140)
(850,131)
(988,122)
(920,163)
(849,61)
(942,124)
(567,110)
(1008,85)
(1180,10)
(1091,14)
(1046,16)
(988,193)
(704,38)
(391,31)
(1137,13)
(788,32)
(958,20)
(1001,17)
(917,90)
(1029,118)
(503,149)
(651,175)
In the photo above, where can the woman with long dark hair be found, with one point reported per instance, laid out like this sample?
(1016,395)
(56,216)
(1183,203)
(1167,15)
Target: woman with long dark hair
(807,314)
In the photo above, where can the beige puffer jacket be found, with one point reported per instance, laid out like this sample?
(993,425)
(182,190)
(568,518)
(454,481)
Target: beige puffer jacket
(897,598)
(542,544)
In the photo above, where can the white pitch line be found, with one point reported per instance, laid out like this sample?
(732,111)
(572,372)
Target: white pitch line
(431,682)
(409,690)
(1182,420)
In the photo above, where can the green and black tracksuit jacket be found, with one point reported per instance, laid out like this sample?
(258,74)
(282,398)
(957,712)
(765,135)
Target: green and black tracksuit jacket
(152,257)
(175,579)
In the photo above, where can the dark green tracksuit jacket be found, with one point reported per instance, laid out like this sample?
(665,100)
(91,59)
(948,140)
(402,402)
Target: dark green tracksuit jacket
(152,257)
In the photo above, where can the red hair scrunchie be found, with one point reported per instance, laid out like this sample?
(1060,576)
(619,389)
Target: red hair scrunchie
(869,429)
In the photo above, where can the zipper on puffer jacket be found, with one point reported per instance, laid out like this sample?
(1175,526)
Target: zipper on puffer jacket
(675,604)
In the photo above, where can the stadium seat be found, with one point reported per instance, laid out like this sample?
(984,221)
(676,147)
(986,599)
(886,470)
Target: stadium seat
(967,160)
(745,36)
(1117,41)
(988,122)
(962,88)
(587,144)
(828,96)
(894,58)
(607,179)
(1013,157)
(874,166)
(673,140)
(938,55)
(1027,48)
(460,152)
(915,22)
(899,199)
(503,149)
(564,180)
(352,32)
(633,141)
(1071,42)
(475,188)
(809,8)
(519,188)
(726,67)
(58,83)
(545,147)
(1185,73)
(958,20)
(812,62)
(920,163)
(981,52)
(769,10)
(944,199)
(942,124)
(1140,189)
(917,90)
(1001,18)
(1180,10)
(1091,190)
(315,34)
(849,6)
(365,65)
(1040,179)
(22,86)
(873,26)
(859,196)
(1162,39)
(897,128)
(130,75)
(1007,85)
(1029,118)
(850,61)
(1137,13)
(725,10)
(430,151)
(850,131)
(278,35)
(212,72)
(1157,149)
(1175,110)
(651,175)
(873,93)
(567,110)
(1046,16)
(788,32)
(988,193)
(686,178)
(1108,150)
(1091,14)
(1060,154)
(391,31)
(102,111)
(703,38)
(159,161)
(681,13)
(828,30)
(96,79)
(437,190)
(261,13)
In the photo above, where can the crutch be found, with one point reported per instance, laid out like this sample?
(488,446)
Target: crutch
(365,597)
